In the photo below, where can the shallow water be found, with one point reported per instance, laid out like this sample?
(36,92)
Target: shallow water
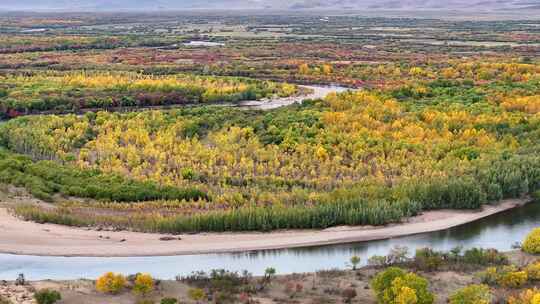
(318,92)
(203,43)
(499,231)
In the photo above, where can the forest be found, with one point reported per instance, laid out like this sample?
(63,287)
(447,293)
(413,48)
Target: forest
(75,91)
(130,130)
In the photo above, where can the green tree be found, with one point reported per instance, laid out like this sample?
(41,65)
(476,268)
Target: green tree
(355,260)
(269,274)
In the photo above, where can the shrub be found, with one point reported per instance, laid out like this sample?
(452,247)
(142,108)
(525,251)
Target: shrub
(480,256)
(529,296)
(269,273)
(402,287)
(532,242)
(349,294)
(490,276)
(144,284)
(355,260)
(169,301)
(533,271)
(513,279)
(47,296)
(377,261)
(508,276)
(4,300)
(405,295)
(218,280)
(398,255)
(428,259)
(394,285)
(383,280)
(110,283)
(472,294)
(196,294)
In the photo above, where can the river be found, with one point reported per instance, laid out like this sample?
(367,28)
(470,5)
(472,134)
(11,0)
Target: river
(317,92)
(499,231)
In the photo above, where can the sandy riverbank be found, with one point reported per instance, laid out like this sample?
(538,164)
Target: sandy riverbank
(28,238)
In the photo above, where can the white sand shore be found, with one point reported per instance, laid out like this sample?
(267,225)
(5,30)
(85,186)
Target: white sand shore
(28,238)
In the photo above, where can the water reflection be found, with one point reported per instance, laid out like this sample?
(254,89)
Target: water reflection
(498,231)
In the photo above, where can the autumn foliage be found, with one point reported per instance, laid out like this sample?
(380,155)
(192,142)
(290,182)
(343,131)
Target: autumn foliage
(532,242)
(111,283)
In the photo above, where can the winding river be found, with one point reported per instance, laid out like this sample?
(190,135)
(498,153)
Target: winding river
(499,231)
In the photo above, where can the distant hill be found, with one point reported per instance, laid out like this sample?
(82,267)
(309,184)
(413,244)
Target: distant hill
(161,5)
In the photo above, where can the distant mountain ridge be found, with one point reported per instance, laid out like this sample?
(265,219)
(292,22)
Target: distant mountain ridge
(161,5)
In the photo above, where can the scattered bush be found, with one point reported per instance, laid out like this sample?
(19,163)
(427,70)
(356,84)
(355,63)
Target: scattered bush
(428,259)
(196,294)
(218,280)
(383,280)
(490,276)
(349,294)
(378,261)
(397,255)
(513,279)
(4,300)
(111,283)
(47,296)
(529,296)
(355,260)
(532,242)
(144,284)
(472,294)
(169,301)
(508,276)
(404,295)
(269,274)
(394,285)
(480,256)
(533,271)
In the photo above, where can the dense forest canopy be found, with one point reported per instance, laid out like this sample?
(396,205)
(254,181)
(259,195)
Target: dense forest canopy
(450,120)
(71,92)
(441,144)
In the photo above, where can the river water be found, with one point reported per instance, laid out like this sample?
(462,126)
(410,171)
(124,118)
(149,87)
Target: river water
(317,92)
(499,231)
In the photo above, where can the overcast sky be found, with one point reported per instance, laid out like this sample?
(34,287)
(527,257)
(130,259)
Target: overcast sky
(258,4)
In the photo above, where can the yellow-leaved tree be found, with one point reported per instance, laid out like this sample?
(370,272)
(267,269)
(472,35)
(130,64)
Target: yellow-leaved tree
(532,242)
(110,283)
(144,284)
